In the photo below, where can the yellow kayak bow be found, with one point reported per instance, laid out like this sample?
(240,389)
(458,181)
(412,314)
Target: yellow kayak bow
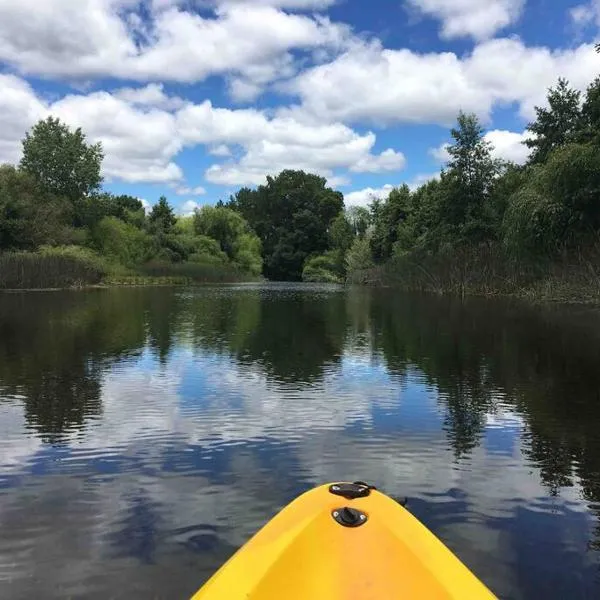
(344,541)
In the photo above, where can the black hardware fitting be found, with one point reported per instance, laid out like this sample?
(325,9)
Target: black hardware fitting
(350,491)
(349,517)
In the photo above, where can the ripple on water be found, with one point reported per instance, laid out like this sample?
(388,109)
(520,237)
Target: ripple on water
(202,412)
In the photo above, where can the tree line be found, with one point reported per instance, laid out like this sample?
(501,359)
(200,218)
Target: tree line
(482,222)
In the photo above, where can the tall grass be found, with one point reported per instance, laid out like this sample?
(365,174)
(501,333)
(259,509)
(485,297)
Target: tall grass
(489,271)
(56,268)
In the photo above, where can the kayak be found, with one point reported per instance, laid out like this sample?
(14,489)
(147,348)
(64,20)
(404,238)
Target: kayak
(344,541)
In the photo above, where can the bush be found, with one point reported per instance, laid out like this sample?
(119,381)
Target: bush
(122,242)
(322,268)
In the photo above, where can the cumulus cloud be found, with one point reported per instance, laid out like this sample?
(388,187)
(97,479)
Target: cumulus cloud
(280,142)
(19,108)
(170,42)
(188,208)
(190,191)
(440,153)
(139,143)
(474,18)
(142,131)
(372,83)
(506,145)
(365,196)
(586,14)
(152,95)
(220,150)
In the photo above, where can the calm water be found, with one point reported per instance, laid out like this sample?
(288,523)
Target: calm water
(145,434)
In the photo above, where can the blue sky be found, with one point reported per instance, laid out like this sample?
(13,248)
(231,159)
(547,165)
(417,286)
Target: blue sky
(196,98)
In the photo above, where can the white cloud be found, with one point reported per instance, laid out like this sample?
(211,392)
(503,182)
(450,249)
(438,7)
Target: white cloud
(479,19)
(508,145)
(141,140)
(285,4)
(220,150)
(371,83)
(273,144)
(19,109)
(146,205)
(388,160)
(188,191)
(365,196)
(188,208)
(587,14)
(440,153)
(152,95)
(418,180)
(139,143)
(110,38)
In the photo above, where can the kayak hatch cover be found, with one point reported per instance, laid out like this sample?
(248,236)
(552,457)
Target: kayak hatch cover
(344,541)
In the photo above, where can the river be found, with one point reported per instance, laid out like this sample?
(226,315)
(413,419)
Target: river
(146,433)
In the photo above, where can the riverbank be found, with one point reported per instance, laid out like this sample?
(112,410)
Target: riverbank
(78,268)
(572,278)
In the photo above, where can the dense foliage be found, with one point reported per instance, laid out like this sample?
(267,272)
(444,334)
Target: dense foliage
(291,215)
(58,227)
(485,223)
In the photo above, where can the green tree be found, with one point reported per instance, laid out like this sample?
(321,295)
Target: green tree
(62,160)
(360,219)
(387,218)
(29,216)
(222,224)
(122,242)
(359,259)
(291,215)
(556,125)
(341,233)
(322,268)
(466,187)
(589,129)
(557,208)
(162,218)
(233,234)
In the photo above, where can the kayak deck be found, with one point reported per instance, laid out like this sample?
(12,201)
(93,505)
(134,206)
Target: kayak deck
(305,553)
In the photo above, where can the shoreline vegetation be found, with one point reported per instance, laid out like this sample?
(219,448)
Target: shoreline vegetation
(484,226)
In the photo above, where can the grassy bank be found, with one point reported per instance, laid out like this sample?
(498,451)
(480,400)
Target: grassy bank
(74,267)
(488,272)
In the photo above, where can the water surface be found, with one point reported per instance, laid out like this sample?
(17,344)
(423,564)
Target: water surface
(145,434)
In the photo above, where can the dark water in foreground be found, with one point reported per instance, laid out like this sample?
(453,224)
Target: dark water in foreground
(145,434)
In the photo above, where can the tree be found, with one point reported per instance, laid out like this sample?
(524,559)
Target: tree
(557,208)
(387,217)
(61,160)
(221,224)
(360,219)
(589,130)
(465,187)
(29,216)
(233,235)
(122,242)
(341,233)
(556,125)
(162,218)
(291,215)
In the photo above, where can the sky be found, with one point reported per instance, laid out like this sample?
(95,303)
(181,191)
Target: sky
(194,99)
